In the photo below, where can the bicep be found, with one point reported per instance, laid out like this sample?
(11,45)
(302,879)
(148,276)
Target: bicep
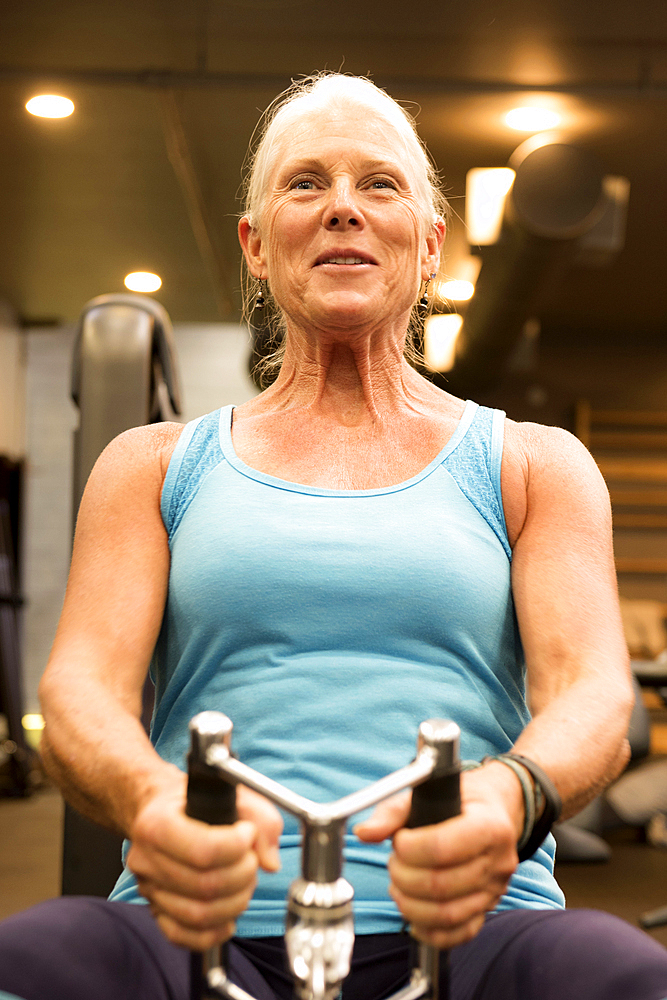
(118,579)
(563,575)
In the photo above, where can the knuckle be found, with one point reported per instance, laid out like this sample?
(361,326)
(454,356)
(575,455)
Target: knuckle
(203,855)
(438,883)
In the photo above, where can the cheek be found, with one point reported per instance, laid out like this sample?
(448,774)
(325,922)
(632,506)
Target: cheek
(286,240)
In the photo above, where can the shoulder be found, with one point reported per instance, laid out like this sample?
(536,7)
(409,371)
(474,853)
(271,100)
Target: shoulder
(547,470)
(547,452)
(134,462)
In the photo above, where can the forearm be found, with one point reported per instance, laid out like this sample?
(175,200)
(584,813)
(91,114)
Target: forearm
(580,740)
(96,750)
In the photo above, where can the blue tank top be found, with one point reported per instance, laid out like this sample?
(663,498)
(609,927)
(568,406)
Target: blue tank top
(327,624)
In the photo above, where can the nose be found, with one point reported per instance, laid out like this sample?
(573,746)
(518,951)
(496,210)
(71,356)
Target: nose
(342,210)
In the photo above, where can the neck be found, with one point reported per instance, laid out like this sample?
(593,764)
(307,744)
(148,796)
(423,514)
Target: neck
(355,380)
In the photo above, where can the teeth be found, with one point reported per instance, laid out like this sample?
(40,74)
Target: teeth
(344,260)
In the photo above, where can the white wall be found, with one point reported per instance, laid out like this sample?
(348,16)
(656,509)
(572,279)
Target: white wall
(213,367)
(12,386)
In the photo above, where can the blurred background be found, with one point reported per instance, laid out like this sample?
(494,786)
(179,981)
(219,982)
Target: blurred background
(556,246)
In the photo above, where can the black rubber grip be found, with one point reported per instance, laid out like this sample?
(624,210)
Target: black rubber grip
(210,798)
(435,800)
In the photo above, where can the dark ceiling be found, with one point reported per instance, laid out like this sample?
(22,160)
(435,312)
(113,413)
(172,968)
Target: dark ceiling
(145,174)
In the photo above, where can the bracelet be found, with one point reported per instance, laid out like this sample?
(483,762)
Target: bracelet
(546,803)
(529,799)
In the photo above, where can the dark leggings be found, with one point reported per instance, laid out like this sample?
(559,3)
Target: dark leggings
(84,948)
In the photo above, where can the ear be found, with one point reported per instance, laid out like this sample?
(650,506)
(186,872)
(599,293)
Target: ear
(433,246)
(253,249)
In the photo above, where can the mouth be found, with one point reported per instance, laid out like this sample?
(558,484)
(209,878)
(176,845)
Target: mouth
(345,259)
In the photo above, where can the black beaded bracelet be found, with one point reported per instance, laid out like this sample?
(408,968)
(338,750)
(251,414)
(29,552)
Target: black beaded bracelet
(552,804)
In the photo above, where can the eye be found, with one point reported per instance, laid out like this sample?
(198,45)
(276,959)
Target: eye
(382,184)
(303,184)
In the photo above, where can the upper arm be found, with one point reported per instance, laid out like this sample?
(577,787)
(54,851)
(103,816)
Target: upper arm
(563,574)
(120,564)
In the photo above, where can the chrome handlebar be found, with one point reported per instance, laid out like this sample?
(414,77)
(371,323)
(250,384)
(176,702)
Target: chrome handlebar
(319,934)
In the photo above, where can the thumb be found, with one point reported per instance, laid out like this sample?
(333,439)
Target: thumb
(387,818)
(268,824)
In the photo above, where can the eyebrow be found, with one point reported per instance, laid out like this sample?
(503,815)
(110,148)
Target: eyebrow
(370,165)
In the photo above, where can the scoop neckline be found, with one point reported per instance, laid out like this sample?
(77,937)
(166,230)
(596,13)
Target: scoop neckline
(230,455)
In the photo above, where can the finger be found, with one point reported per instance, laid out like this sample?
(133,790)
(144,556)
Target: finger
(446,916)
(452,842)
(192,842)
(196,915)
(439,938)
(189,880)
(446,883)
(268,823)
(185,937)
(386,819)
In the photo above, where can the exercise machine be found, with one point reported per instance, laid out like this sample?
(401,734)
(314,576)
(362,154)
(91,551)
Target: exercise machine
(124,374)
(319,934)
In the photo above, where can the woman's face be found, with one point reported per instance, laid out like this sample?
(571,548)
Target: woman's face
(342,238)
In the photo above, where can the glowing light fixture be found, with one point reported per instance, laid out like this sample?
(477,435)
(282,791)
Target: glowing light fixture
(440,334)
(456,289)
(532,119)
(33,724)
(50,106)
(486,190)
(33,721)
(143,281)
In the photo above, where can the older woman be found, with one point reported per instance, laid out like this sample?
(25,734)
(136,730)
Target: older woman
(345,555)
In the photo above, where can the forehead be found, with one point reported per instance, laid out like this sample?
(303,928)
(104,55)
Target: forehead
(354,131)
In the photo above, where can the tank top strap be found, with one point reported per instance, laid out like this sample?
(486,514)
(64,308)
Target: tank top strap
(197,452)
(475,465)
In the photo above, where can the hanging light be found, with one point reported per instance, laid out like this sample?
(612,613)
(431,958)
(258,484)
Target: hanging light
(486,189)
(456,290)
(50,106)
(143,281)
(532,119)
(440,333)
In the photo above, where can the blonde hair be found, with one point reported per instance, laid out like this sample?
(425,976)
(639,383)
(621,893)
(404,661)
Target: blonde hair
(325,91)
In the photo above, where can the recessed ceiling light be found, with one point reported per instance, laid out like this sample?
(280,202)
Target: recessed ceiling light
(532,119)
(50,106)
(143,281)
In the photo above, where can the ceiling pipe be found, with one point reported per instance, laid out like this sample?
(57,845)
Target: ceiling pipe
(556,198)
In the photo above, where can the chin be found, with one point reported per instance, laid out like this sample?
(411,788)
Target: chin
(350,310)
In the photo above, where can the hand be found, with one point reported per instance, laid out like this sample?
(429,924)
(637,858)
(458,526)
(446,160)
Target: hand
(446,877)
(198,878)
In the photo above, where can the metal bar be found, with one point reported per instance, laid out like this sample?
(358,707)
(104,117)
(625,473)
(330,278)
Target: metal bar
(218,757)
(218,982)
(314,812)
(419,986)
(419,770)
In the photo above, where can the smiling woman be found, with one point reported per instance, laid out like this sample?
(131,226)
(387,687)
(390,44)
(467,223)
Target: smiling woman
(344,556)
(340,99)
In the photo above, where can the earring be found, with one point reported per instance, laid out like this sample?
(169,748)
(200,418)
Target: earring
(422,305)
(259,301)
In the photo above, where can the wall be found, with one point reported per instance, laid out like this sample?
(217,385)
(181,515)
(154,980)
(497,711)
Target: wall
(12,386)
(213,367)
(611,371)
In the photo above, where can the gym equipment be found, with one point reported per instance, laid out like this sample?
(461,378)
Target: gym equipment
(124,373)
(319,933)
(14,749)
